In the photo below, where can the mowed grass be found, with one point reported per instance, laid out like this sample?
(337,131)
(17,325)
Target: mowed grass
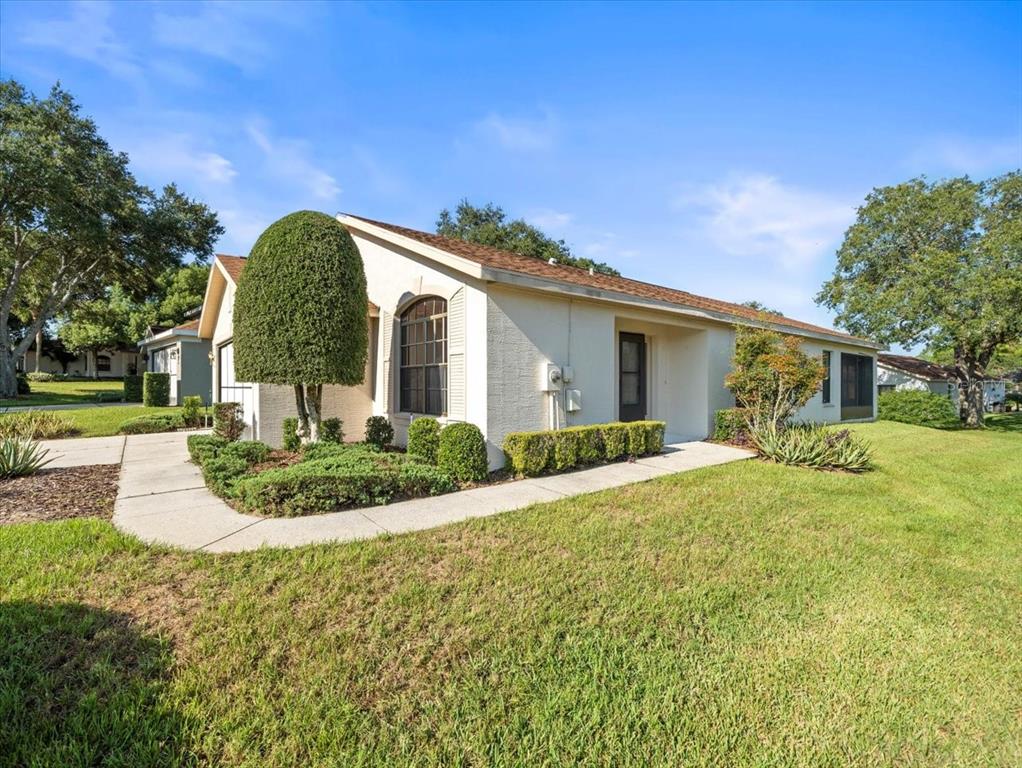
(65,392)
(748,614)
(104,421)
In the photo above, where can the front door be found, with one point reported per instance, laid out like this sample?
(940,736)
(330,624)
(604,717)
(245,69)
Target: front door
(632,380)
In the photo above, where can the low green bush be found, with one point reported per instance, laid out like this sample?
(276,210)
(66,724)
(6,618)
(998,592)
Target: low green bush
(321,450)
(815,446)
(155,389)
(533,453)
(250,451)
(912,406)
(730,426)
(23,387)
(228,420)
(133,388)
(379,432)
(150,423)
(424,439)
(291,441)
(201,447)
(191,410)
(39,376)
(21,456)
(109,397)
(222,472)
(36,425)
(462,452)
(330,431)
(417,479)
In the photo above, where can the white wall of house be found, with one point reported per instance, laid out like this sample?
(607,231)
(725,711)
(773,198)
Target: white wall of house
(816,410)
(120,363)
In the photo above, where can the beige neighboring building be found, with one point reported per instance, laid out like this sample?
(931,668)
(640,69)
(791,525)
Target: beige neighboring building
(106,364)
(465,332)
(907,372)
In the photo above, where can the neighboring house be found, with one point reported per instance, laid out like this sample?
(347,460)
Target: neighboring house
(466,332)
(109,363)
(180,352)
(906,372)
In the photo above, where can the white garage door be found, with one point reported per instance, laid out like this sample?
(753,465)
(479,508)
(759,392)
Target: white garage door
(230,390)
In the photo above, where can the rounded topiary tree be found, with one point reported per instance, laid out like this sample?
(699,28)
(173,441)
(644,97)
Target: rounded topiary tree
(301,312)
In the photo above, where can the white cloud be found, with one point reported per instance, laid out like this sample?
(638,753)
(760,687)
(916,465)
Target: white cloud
(86,35)
(757,215)
(243,227)
(288,159)
(519,134)
(226,31)
(549,219)
(967,156)
(178,152)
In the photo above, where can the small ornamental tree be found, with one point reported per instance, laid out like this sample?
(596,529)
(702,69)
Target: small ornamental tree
(771,376)
(301,312)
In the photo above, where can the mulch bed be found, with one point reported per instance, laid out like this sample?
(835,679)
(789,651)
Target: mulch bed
(59,494)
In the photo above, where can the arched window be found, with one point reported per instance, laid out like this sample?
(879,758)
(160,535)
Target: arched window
(423,381)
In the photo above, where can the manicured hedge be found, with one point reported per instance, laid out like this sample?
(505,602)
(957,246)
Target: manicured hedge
(150,423)
(379,432)
(201,447)
(292,442)
(330,431)
(40,376)
(228,420)
(133,389)
(729,426)
(537,453)
(155,389)
(424,439)
(191,410)
(927,409)
(462,452)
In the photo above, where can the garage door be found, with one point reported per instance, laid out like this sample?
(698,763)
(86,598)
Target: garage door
(229,390)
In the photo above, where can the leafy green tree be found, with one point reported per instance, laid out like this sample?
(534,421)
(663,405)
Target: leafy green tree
(489,225)
(301,312)
(761,307)
(178,291)
(936,263)
(1007,360)
(74,221)
(98,325)
(771,377)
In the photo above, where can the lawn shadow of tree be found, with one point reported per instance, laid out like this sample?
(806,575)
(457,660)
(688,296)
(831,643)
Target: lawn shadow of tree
(83,686)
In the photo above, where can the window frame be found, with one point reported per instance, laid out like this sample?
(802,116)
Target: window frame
(423,350)
(825,385)
(101,361)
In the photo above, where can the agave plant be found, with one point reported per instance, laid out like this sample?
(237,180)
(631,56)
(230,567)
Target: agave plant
(21,456)
(811,445)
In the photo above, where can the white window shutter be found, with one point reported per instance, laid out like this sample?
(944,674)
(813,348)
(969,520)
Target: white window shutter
(456,356)
(386,341)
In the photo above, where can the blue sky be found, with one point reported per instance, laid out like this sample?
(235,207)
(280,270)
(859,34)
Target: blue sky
(721,149)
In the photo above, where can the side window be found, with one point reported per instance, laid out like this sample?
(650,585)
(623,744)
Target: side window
(826,381)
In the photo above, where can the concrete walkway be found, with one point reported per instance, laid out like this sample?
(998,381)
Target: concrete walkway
(162,499)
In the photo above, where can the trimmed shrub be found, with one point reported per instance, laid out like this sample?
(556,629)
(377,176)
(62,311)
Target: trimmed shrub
(155,389)
(150,423)
(330,431)
(529,453)
(191,410)
(730,426)
(109,397)
(221,473)
(228,420)
(565,450)
(202,447)
(20,456)
(292,442)
(814,446)
(424,480)
(424,439)
(926,409)
(462,452)
(379,432)
(250,451)
(615,441)
(590,443)
(636,438)
(39,376)
(321,450)
(133,389)
(23,387)
(37,425)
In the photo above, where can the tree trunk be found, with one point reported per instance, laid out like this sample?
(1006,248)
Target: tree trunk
(8,376)
(309,403)
(969,372)
(38,349)
(974,404)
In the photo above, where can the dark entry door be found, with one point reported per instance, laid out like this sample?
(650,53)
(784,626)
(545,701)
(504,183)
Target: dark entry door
(632,382)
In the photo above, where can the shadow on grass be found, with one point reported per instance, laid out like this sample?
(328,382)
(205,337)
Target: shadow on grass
(1004,422)
(82,686)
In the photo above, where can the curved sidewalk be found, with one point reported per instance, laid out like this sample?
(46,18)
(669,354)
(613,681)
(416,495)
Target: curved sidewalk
(162,499)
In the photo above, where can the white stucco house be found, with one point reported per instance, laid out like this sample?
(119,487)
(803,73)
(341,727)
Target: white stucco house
(112,363)
(907,372)
(465,332)
(180,352)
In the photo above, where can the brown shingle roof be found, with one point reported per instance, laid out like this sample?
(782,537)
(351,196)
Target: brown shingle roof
(191,325)
(916,366)
(527,265)
(233,265)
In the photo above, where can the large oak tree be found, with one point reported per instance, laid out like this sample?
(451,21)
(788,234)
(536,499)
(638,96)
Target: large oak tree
(936,263)
(74,221)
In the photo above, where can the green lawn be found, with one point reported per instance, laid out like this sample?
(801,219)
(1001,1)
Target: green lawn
(65,392)
(104,421)
(748,614)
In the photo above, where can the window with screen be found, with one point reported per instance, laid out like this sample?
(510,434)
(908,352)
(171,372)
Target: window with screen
(423,369)
(826,380)
(103,363)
